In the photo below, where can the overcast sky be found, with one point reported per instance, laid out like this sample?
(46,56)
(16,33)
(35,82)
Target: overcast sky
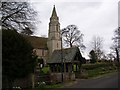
(96,17)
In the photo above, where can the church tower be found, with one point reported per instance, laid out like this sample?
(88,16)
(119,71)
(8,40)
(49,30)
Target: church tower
(54,41)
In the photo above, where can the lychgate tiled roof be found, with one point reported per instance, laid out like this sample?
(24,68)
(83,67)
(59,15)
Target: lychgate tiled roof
(66,55)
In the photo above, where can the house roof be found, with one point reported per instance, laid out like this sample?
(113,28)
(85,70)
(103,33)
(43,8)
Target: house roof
(37,42)
(67,55)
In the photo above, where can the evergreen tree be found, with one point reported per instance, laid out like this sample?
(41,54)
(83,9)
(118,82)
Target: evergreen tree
(18,59)
(93,56)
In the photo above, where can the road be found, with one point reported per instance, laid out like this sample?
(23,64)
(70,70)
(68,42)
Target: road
(0,76)
(109,81)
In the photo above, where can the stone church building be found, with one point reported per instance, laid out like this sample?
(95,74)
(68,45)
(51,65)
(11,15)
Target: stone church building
(61,61)
(51,52)
(44,47)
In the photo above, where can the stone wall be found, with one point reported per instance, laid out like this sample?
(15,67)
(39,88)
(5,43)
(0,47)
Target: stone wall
(57,77)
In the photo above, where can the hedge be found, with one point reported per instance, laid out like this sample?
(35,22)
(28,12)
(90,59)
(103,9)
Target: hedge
(95,65)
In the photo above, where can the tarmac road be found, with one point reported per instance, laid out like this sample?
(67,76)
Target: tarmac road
(109,81)
(0,77)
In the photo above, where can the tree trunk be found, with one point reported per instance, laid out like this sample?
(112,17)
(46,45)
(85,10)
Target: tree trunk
(70,44)
(117,54)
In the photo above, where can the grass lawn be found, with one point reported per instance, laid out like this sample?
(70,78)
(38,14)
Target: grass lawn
(49,87)
(99,71)
(93,70)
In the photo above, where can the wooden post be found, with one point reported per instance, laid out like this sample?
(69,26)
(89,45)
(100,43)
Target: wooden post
(33,80)
(76,67)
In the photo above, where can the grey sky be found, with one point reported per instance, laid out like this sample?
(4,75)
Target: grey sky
(96,17)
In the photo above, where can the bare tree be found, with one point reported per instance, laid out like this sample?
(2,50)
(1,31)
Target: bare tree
(110,56)
(97,45)
(72,36)
(116,38)
(18,16)
(116,43)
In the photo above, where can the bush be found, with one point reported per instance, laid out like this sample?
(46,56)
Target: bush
(46,69)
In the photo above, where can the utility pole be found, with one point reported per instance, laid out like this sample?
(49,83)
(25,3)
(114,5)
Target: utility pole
(61,61)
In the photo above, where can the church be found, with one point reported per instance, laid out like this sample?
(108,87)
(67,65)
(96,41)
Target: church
(50,49)
(64,63)
(44,47)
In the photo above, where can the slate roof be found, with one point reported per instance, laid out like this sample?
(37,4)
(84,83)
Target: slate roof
(37,42)
(68,55)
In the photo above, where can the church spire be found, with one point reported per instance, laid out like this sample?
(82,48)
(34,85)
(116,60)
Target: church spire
(54,41)
(54,14)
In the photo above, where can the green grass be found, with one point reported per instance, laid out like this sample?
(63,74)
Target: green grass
(48,87)
(98,72)
(54,85)
(93,70)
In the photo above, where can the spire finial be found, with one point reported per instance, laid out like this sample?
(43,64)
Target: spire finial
(54,12)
